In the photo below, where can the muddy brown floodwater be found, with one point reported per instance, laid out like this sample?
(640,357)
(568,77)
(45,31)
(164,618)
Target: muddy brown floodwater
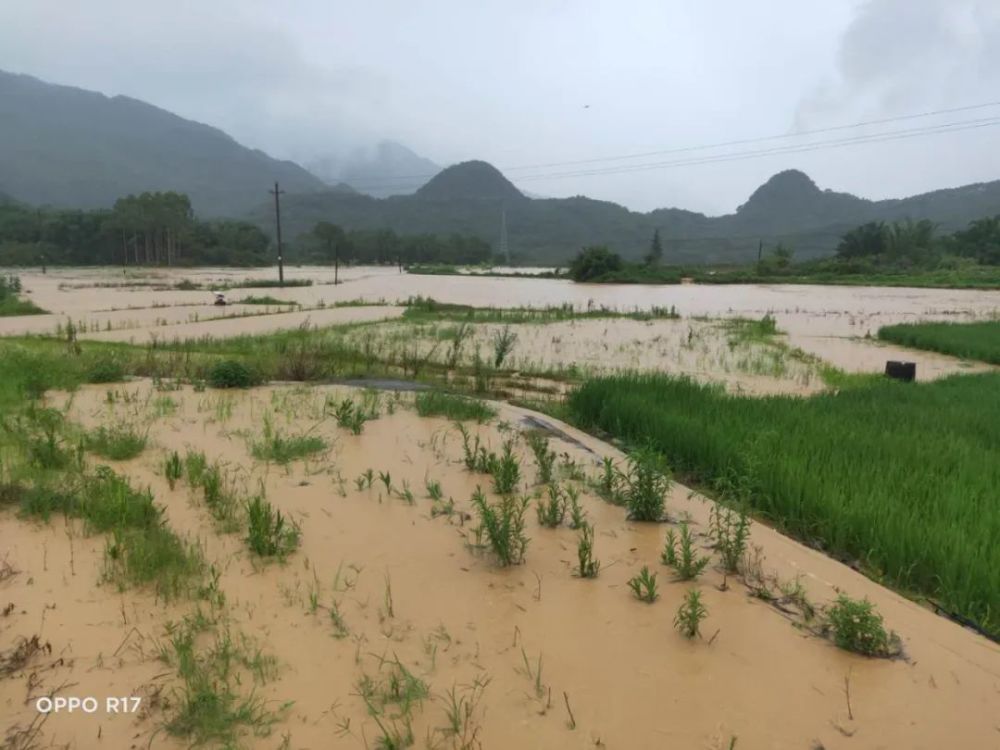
(535,635)
(829,322)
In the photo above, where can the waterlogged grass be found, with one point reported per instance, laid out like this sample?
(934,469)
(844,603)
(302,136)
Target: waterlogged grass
(265,299)
(900,477)
(980,341)
(455,408)
(117,443)
(283,449)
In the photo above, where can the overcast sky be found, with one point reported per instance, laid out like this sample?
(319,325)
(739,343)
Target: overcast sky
(526,82)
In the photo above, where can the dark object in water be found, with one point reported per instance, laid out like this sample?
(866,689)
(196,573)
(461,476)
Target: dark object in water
(906,371)
(220,298)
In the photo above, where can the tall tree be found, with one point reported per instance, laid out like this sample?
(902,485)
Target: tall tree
(655,254)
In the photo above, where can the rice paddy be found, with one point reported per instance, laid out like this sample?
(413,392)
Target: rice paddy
(840,471)
(978,340)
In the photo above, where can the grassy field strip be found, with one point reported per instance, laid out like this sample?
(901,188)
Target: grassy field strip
(979,340)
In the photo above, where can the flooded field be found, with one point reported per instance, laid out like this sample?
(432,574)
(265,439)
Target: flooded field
(832,325)
(334,566)
(390,586)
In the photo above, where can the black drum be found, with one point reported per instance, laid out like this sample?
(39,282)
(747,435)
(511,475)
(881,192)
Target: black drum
(906,371)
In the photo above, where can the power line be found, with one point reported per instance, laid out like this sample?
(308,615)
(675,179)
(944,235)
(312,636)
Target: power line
(790,149)
(704,147)
(761,139)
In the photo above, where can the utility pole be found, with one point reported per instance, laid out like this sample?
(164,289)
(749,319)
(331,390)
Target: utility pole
(504,248)
(277,221)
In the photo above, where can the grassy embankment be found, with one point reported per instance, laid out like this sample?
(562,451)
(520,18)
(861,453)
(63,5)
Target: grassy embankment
(900,478)
(979,341)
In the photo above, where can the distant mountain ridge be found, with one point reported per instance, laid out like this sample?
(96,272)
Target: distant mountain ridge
(389,169)
(789,208)
(69,147)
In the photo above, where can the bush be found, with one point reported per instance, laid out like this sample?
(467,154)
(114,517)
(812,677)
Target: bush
(503,526)
(105,370)
(593,263)
(231,374)
(857,626)
(645,486)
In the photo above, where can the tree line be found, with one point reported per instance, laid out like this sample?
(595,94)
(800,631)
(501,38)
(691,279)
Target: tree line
(875,247)
(160,229)
(330,243)
(917,244)
(150,229)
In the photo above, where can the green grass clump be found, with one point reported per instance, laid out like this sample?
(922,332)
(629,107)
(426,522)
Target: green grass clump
(269,533)
(263,299)
(643,585)
(684,560)
(901,478)
(857,626)
(152,555)
(116,443)
(979,340)
(456,408)
(350,416)
(208,707)
(502,524)
(106,369)
(645,485)
(545,458)
(551,510)
(690,614)
(230,373)
(282,449)
(587,565)
(173,469)
(505,468)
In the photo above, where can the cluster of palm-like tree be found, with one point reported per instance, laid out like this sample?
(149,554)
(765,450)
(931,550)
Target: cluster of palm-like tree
(153,226)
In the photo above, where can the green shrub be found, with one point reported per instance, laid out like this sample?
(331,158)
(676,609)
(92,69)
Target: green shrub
(690,614)
(857,626)
(503,525)
(685,562)
(587,565)
(544,458)
(646,485)
(105,370)
(269,534)
(643,585)
(230,373)
(551,511)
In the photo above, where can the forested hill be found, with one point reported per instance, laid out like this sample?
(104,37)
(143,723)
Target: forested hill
(71,148)
(471,198)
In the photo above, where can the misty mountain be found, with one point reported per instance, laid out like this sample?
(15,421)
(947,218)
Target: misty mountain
(68,147)
(388,169)
(471,197)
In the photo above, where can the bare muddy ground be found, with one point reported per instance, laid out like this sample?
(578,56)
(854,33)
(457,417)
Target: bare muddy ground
(542,658)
